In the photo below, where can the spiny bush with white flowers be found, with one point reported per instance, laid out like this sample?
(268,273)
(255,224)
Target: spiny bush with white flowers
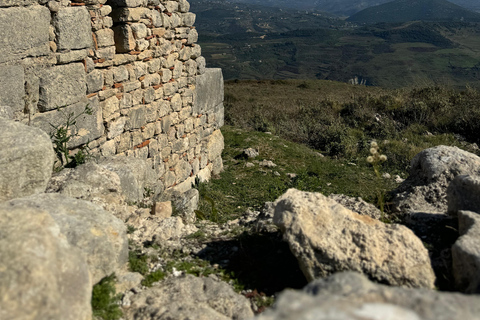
(375,159)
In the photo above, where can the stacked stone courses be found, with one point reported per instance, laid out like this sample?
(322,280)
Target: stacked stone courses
(135,63)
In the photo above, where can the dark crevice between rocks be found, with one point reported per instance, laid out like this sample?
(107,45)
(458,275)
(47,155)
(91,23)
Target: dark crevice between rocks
(438,233)
(261,262)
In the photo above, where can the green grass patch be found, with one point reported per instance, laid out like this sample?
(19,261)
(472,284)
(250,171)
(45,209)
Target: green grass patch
(105,300)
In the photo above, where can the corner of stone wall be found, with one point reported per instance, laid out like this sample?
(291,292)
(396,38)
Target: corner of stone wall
(134,62)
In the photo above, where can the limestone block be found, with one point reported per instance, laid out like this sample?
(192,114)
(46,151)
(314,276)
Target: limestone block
(139,30)
(61,86)
(135,176)
(181,297)
(43,277)
(129,14)
(25,32)
(72,28)
(120,74)
(12,87)
(100,236)
(17,3)
(209,93)
(192,36)
(107,53)
(326,237)
(183,6)
(463,193)
(110,106)
(6,112)
(94,81)
(105,37)
(215,145)
(188,19)
(87,128)
(124,39)
(352,296)
(26,162)
(116,127)
(135,118)
(129,3)
(71,56)
(466,253)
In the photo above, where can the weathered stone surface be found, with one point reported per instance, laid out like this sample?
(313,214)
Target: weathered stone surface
(116,127)
(100,236)
(351,296)
(24,32)
(41,275)
(61,86)
(463,193)
(209,90)
(357,205)
(11,3)
(326,238)
(431,172)
(93,183)
(12,87)
(88,127)
(71,56)
(180,298)
(124,39)
(94,81)
(215,145)
(185,203)
(136,176)
(72,28)
(6,112)
(26,162)
(105,37)
(466,253)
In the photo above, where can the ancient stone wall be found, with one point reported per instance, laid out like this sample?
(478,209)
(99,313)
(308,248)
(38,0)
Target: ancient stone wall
(135,63)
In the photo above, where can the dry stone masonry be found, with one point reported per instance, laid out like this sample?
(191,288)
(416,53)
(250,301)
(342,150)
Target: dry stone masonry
(135,63)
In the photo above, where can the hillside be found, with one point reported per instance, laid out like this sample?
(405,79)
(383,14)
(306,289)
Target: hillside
(400,11)
(342,7)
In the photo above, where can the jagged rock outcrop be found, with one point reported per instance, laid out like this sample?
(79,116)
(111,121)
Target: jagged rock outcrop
(357,205)
(27,160)
(466,253)
(189,297)
(432,170)
(327,238)
(351,296)
(463,193)
(41,275)
(95,232)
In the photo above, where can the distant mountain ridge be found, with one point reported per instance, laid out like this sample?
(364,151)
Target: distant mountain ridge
(342,7)
(400,11)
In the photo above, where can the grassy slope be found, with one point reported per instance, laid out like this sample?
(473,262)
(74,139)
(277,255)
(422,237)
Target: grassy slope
(335,119)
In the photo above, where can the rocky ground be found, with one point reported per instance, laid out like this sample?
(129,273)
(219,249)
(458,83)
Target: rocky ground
(72,230)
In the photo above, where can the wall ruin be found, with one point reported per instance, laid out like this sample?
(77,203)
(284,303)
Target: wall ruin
(135,63)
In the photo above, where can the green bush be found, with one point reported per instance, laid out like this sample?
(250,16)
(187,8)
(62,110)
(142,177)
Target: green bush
(105,301)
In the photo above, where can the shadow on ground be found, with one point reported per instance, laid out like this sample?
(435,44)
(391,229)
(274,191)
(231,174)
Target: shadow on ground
(260,261)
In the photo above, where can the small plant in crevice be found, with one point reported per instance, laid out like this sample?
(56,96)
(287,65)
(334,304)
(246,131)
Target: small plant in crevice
(105,300)
(213,215)
(375,159)
(62,135)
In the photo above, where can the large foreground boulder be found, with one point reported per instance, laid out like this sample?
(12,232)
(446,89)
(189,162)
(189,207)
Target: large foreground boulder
(466,253)
(327,238)
(189,297)
(351,296)
(97,233)
(41,275)
(26,162)
(432,170)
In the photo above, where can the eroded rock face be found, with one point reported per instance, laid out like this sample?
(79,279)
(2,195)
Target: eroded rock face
(41,275)
(326,238)
(189,297)
(357,205)
(463,193)
(136,176)
(431,172)
(97,233)
(466,253)
(27,160)
(351,296)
